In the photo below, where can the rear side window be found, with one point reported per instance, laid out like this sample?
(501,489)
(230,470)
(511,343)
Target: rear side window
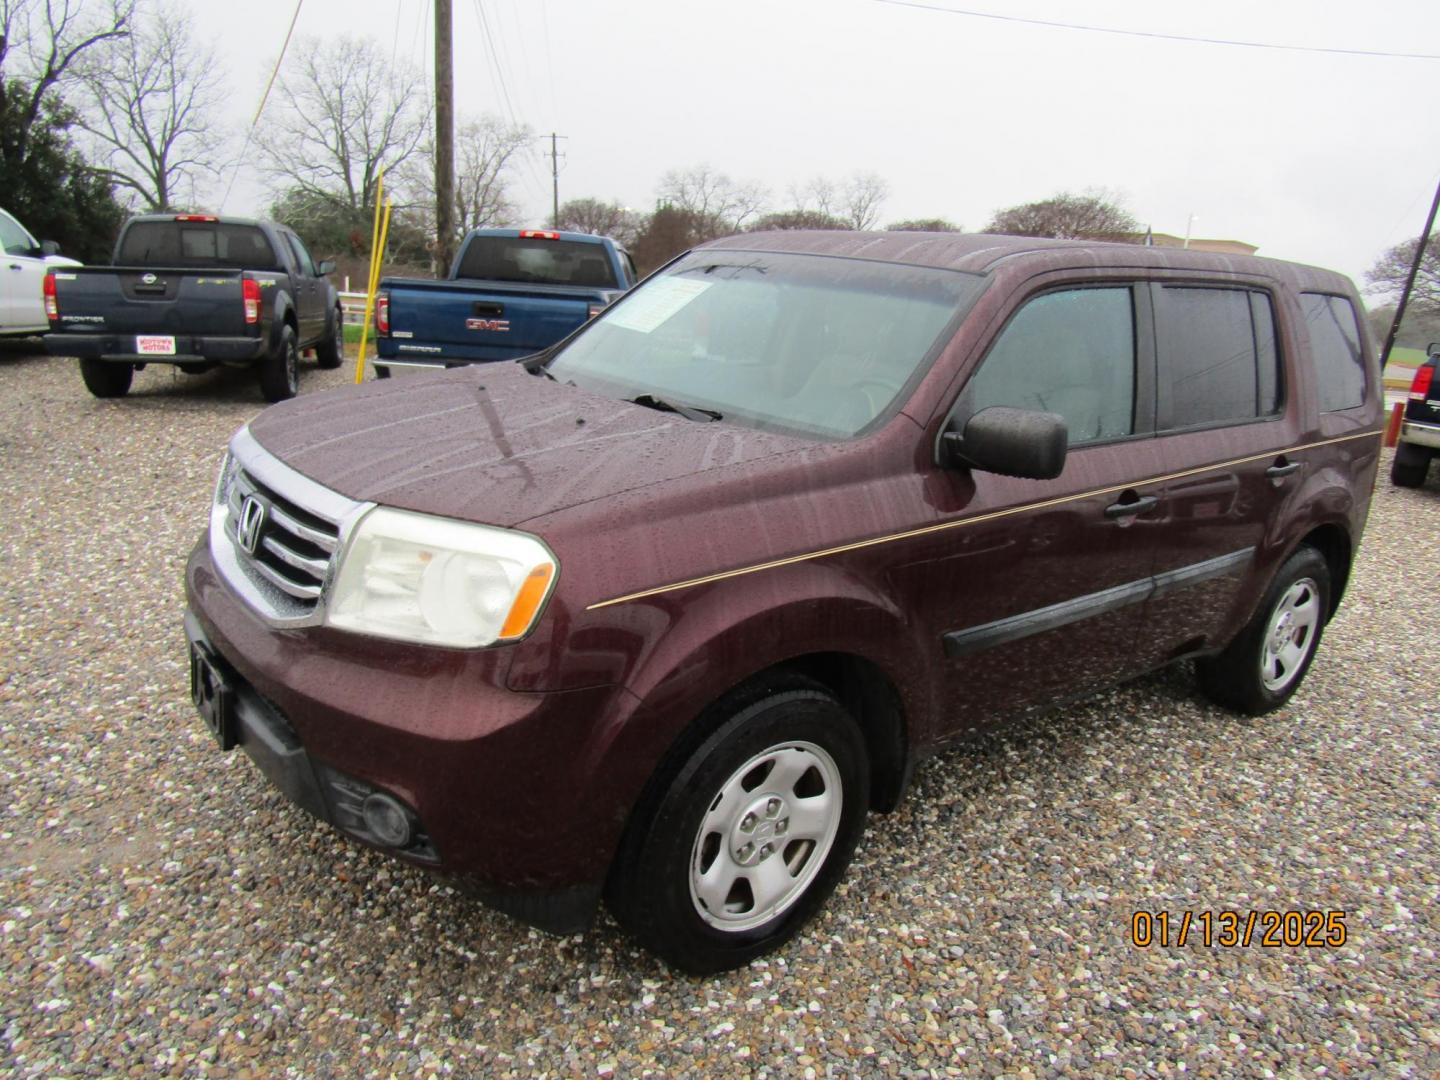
(14,239)
(1217,354)
(196,244)
(537,262)
(1335,344)
(1069,352)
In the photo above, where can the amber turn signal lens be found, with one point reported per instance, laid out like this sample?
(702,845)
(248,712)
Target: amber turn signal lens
(527,604)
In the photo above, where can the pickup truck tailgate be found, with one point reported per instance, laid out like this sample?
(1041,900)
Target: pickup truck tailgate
(455,320)
(152,300)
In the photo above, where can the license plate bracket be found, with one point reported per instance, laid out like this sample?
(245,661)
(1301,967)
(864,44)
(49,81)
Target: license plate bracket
(214,697)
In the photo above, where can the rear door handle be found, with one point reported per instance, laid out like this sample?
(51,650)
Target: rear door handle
(1131,508)
(1274,472)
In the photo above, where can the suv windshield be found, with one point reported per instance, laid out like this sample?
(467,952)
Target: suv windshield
(810,344)
(198,244)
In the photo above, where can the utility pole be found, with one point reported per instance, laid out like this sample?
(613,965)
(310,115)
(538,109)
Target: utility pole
(555,177)
(1410,281)
(444,136)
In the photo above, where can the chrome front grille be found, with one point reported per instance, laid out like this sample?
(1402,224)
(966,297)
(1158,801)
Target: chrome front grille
(275,534)
(291,548)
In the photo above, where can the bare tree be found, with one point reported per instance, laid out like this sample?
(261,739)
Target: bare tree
(485,153)
(340,114)
(719,204)
(601,218)
(817,195)
(1096,215)
(1387,277)
(925,225)
(860,201)
(40,41)
(149,104)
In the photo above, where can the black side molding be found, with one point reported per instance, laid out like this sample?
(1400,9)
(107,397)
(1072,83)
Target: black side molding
(1015,627)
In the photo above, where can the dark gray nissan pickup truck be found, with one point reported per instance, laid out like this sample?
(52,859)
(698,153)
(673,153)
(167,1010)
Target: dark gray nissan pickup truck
(198,291)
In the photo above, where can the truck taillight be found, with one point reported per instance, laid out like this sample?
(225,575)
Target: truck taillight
(1419,389)
(250,292)
(382,313)
(539,234)
(52,300)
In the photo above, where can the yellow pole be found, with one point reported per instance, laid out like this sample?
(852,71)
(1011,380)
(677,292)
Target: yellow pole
(370,280)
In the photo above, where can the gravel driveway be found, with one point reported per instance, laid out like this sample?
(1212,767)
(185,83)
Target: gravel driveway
(163,911)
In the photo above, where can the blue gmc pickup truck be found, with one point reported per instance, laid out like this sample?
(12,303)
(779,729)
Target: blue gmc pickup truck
(511,292)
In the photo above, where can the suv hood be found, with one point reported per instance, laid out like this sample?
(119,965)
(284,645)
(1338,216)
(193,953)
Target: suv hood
(495,445)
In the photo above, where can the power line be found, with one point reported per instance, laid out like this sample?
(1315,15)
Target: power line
(1155,34)
(250,131)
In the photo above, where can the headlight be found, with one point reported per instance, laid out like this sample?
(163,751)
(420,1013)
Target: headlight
(429,579)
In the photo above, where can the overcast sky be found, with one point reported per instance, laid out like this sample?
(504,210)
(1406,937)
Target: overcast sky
(1316,157)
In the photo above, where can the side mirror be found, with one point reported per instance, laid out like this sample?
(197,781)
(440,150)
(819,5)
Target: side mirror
(327,266)
(1011,442)
(48,248)
(1433,349)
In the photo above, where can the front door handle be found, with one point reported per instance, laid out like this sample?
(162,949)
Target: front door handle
(1275,472)
(16,266)
(1125,509)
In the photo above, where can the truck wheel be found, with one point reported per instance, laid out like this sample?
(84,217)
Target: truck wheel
(106,380)
(1265,664)
(280,371)
(330,353)
(1410,466)
(744,840)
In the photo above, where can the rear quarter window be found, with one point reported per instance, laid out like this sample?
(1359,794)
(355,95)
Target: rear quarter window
(1335,347)
(196,244)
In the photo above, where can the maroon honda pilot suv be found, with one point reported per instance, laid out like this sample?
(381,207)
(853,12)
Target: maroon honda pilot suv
(658,616)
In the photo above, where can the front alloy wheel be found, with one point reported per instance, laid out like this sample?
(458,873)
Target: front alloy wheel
(747,831)
(766,836)
(1290,638)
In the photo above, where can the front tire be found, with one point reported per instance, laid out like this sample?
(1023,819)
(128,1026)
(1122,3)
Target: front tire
(330,353)
(1263,667)
(106,380)
(280,371)
(745,840)
(1410,465)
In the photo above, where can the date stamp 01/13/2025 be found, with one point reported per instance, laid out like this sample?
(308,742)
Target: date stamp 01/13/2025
(1268,929)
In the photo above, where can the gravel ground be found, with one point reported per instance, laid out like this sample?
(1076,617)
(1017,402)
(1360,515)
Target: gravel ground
(163,911)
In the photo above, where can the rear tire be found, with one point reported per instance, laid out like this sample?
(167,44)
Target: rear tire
(106,380)
(330,353)
(1263,667)
(280,371)
(1410,466)
(744,840)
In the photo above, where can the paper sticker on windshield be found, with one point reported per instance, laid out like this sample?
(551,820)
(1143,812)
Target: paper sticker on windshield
(655,303)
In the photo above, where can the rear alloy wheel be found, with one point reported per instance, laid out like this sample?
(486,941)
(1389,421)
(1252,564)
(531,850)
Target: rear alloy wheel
(106,380)
(749,835)
(1410,466)
(280,371)
(330,353)
(1266,662)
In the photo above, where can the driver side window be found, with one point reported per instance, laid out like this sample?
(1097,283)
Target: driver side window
(1070,352)
(14,239)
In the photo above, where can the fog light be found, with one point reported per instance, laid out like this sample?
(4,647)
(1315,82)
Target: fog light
(387,821)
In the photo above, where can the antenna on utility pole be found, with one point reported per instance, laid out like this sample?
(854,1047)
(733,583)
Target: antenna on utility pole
(555,176)
(444,136)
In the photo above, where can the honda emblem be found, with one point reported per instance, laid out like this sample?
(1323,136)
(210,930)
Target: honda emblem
(252,517)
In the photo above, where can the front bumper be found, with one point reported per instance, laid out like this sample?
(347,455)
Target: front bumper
(1420,434)
(120,348)
(499,781)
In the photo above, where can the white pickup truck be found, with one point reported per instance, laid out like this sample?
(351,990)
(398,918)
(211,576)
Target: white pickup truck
(24,262)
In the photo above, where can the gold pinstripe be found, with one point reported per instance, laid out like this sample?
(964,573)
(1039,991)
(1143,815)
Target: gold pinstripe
(960,522)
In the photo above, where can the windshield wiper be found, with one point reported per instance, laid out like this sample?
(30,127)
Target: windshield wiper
(690,412)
